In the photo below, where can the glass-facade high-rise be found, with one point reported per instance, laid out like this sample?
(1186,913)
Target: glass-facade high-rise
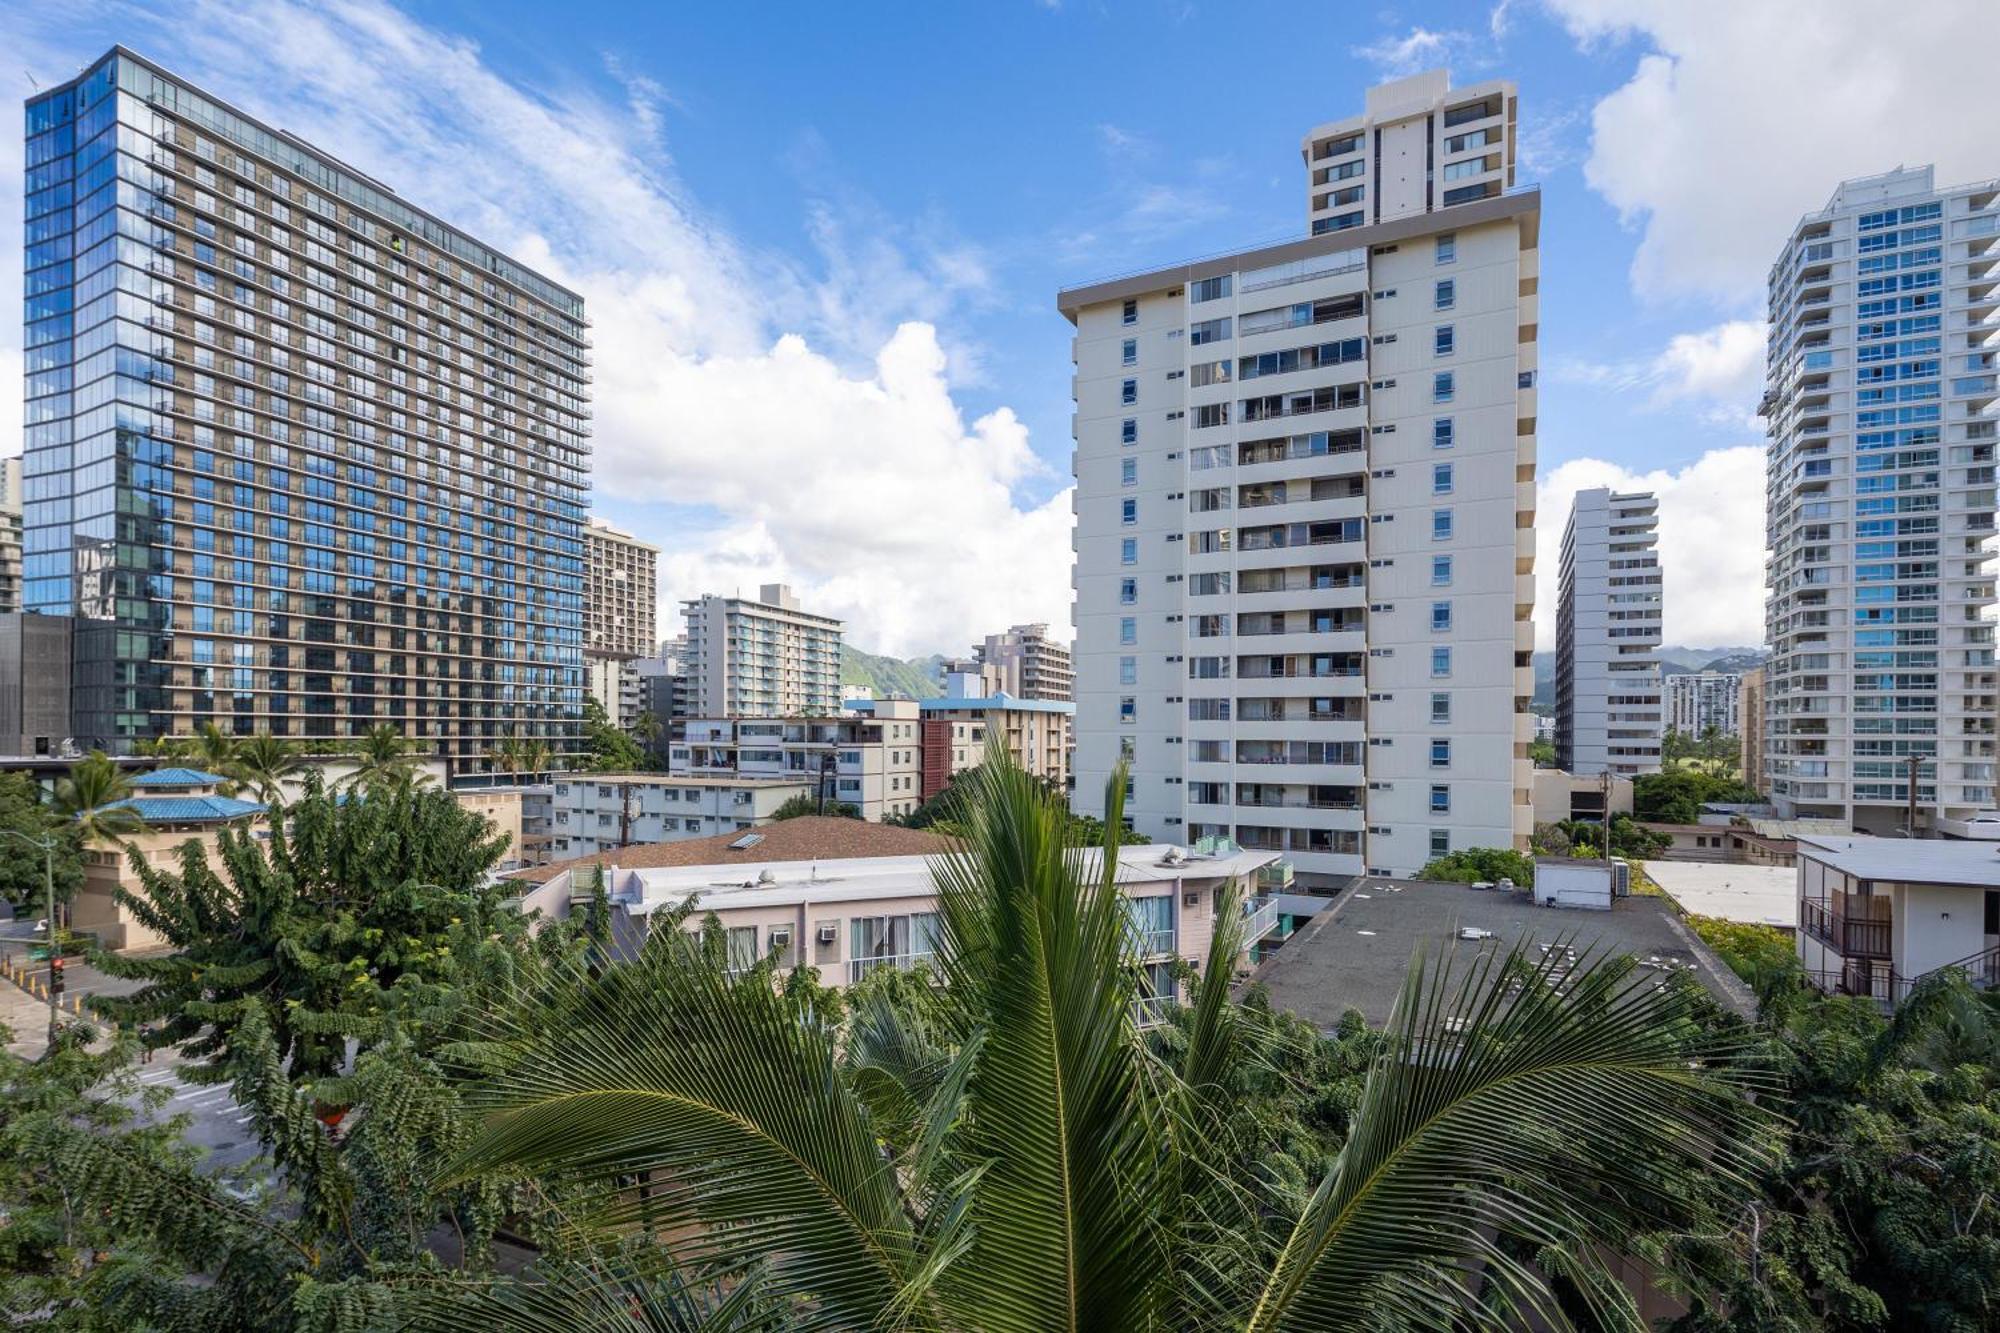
(298,456)
(1884,418)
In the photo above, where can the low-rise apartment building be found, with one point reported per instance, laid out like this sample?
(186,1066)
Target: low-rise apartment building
(1876,915)
(601,812)
(1029,664)
(847,898)
(870,760)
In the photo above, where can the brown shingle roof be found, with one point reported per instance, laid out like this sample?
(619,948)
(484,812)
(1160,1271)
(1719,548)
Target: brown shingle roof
(808,838)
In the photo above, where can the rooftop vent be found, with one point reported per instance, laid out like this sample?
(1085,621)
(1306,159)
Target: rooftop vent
(747,841)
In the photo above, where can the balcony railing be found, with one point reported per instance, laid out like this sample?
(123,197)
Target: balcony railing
(1851,937)
(1260,919)
(858,968)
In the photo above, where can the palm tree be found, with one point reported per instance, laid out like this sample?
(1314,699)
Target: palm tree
(1030,1159)
(384,757)
(261,764)
(91,806)
(508,755)
(214,751)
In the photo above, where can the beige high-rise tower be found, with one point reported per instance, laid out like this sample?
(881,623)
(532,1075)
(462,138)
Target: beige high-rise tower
(1306,503)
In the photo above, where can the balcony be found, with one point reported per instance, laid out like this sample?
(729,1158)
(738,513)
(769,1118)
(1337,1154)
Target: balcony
(1852,927)
(858,968)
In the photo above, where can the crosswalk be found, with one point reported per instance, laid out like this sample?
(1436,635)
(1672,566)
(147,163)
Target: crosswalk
(208,1101)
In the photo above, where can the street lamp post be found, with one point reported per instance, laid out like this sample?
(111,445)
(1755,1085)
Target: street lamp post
(47,844)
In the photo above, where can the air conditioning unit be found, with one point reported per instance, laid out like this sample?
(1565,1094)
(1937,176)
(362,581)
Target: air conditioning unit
(781,937)
(828,932)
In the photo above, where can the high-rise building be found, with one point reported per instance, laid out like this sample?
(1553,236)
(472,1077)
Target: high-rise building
(621,581)
(1880,401)
(303,457)
(1305,510)
(1608,605)
(760,657)
(1750,721)
(10,535)
(1031,665)
(1699,700)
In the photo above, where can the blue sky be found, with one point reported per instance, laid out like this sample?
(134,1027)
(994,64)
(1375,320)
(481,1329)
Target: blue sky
(821,242)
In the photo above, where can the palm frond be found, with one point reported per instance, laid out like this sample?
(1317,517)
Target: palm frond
(678,1097)
(1034,941)
(1511,1101)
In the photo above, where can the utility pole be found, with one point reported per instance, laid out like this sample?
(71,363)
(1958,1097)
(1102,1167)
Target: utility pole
(625,814)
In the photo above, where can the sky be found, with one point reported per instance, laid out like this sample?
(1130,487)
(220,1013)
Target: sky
(820,244)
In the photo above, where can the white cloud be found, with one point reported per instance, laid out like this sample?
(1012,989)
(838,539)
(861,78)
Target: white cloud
(1741,117)
(1711,542)
(810,410)
(1718,372)
(1418,49)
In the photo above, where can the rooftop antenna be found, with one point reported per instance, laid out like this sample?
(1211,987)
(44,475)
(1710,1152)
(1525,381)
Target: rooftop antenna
(31,79)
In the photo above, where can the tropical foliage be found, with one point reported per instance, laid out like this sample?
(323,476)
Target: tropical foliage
(25,818)
(309,929)
(89,802)
(1016,1153)
(606,748)
(808,805)
(947,811)
(517,755)
(384,759)
(1585,838)
(1676,795)
(1761,955)
(1480,865)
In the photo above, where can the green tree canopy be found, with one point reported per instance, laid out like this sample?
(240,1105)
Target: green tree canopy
(1676,795)
(1475,865)
(799,805)
(23,812)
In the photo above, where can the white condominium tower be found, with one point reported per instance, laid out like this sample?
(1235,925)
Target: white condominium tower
(1608,636)
(761,657)
(1882,411)
(1700,700)
(1305,509)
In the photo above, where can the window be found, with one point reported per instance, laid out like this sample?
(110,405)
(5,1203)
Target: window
(1128,392)
(1440,842)
(1440,662)
(1441,475)
(1128,551)
(1440,571)
(1208,289)
(1128,709)
(1447,248)
(1128,431)
(1130,314)
(1445,294)
(1440,707)
(1128,352)
(1440,525)
(1440,616)
(1208,331)
(1128,671)
(1128,511)
(1128,592)
(1444,340)
(1442,433)
(1442,387)
(1128,472)
(1128,629)
(1441,752)
(1440,799)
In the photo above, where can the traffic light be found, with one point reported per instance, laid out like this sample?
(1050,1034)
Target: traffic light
(55,976)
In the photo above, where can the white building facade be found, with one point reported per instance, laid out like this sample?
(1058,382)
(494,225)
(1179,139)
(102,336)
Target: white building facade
(760,657)
(1608,706)
(1882,412)
(1305,513)
(599,812)
(1698,700)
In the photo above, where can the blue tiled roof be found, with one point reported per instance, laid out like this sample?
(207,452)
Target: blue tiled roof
(178,777)
(188,809)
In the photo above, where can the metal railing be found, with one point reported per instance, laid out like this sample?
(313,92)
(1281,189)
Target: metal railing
(858,968)
(1260,918)
(1849,936)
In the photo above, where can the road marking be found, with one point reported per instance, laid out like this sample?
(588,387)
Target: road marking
(201,1093)
(159,1076)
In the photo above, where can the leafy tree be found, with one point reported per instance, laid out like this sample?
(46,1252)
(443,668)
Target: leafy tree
(807,805)
(1475,865)
(1761,955)
(1019,1155)
(609,750)
(1628,840)
(1675,796)
(1879,1212)
(1676,746)
(945,812)
(309,928)
(1543,751)
(21,870)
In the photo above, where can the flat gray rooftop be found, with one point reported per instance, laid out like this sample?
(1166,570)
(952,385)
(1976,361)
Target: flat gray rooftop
(1908,860)
(1356,953)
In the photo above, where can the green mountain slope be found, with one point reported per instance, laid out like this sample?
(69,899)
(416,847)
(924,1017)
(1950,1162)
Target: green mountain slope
(917,677)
